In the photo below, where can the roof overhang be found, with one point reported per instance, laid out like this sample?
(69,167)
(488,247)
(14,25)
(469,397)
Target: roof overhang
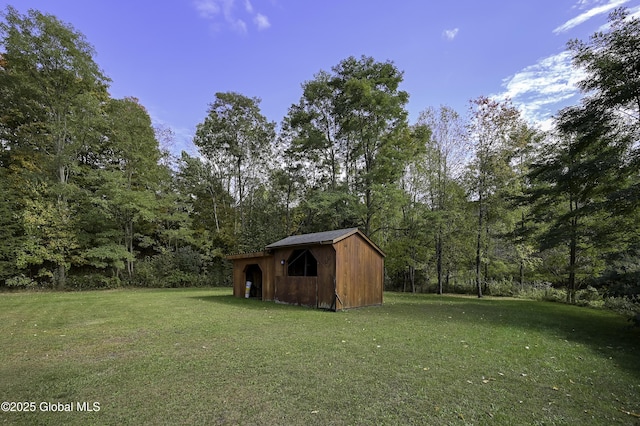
(254,255)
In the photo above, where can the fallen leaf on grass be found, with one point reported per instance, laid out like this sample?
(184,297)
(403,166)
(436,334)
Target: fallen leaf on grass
(630,413)
(315,412)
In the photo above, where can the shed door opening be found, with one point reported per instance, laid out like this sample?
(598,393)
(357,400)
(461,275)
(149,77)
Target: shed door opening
(302,264)
(253,273)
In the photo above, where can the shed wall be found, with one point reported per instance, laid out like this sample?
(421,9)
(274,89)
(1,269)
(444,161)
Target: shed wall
(297,290)
(265,262)
(359,272)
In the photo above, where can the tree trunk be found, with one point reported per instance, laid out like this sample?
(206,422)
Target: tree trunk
(215,208)
(479,248)
(412,278)
(129,245)
(521,279)
(573,248)
(62,277)
(439,259)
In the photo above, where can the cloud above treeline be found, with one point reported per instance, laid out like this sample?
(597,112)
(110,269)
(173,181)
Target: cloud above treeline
(546,86)
(599,9)
(537,88)
(232,14)
(450,34)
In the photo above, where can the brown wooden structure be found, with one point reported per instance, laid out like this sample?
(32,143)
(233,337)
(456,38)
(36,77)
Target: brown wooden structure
(332,270)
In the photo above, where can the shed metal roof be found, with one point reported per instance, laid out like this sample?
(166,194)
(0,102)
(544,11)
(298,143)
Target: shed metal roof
(328,237)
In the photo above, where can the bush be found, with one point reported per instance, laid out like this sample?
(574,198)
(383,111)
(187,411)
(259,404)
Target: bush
(623,305)
(588,297)
(92,281)
(180,268)
(502,288)
(541,291)
(21,281)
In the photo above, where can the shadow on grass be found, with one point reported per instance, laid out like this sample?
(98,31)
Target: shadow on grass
(251,303)
(603,331)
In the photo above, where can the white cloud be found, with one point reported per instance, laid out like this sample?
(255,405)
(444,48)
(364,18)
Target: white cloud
(207,8)
(450,34)
(585,16)
(261,21)
(540,89)
(224,10)
(239,25)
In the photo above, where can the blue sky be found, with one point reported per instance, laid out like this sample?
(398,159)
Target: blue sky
(174,55)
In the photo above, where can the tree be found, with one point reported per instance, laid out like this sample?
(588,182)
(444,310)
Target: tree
(51,94)
(133,174)
(579,170)
(314,130)
(441,166)
(612,88)
(370,110)
(495,129)
(236,139)
(592,169)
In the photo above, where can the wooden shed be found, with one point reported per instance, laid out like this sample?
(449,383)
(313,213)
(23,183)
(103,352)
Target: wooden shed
(332,270)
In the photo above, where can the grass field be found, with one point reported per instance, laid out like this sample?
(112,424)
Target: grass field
(200,356)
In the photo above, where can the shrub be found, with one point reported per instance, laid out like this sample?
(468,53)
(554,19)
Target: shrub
(180,268)
(588,297)
(21,281)
(623,305)
(501,288)
(92,281)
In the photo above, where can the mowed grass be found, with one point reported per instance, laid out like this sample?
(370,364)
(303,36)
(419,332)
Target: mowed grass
(200,356)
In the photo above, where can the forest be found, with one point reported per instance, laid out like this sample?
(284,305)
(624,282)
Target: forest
(478,201)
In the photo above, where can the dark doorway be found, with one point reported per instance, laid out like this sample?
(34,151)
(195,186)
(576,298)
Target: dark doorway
(253,273)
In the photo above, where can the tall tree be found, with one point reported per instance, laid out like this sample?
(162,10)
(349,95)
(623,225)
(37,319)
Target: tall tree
(370,108)
(52,92)
(133,176)
(571,181)
(493,129)
(236,140)
(442,166)
(593,168)
(314,130)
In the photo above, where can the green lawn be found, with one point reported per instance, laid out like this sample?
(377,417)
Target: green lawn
(200,356)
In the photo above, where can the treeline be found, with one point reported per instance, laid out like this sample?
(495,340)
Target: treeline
(481,201)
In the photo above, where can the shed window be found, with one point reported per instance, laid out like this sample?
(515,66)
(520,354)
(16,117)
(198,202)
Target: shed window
(302,264)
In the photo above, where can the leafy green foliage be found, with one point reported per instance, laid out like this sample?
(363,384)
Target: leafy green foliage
(89,198)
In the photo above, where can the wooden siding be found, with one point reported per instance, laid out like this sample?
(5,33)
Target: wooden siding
(286,286)
(297,290)
(359,272)
(265,263)
(349,274)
